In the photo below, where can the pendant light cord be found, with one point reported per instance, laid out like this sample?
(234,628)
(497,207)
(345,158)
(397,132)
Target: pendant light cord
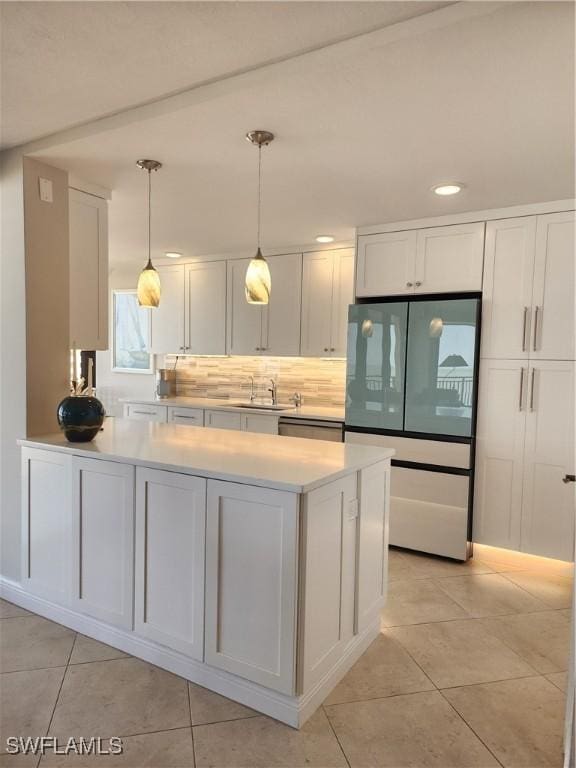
(259,190)
(149,265)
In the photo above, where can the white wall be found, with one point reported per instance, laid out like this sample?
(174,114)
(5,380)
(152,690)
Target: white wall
(112,386)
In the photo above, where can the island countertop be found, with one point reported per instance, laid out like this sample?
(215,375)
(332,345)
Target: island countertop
(270,461)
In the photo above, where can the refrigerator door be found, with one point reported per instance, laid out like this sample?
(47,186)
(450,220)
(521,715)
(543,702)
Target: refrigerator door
(375,365)
(440,366)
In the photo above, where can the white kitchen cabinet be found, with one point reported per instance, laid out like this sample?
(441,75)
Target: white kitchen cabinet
(548,503)
(46,523)
(88,231)
(386,264)
(259,422)
(553,292)
(223,420)
(433,260)
(272,329)
(327,290)
(103,540)
(251,557)
(145,412)
(205,299)
(507,290)
(193,417)
(500,433)
(170,543)
(449,258)
(168,319)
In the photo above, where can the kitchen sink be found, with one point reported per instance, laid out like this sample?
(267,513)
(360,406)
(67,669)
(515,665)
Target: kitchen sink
(263,407)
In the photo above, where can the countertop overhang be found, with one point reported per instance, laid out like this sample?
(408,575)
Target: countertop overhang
(284,463)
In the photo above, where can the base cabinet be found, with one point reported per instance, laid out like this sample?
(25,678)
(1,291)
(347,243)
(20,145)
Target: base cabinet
(251,584)
(103,540)
(170,541)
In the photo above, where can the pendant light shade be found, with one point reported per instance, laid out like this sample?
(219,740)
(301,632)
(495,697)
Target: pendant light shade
(258,283)
(149,288)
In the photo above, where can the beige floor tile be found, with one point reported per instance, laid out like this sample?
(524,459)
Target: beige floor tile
(18,761)
(417,602)
(560,680)
(385,669)
(554,591)
(119,698)
(208,707)
(399,569)
(260,742)
(460,653)
(86,649)
(27,701)
(419,730)
(542,639)
(440,567)
(32,642)
(521,721)
(489,595)
(166,749)
(10,611)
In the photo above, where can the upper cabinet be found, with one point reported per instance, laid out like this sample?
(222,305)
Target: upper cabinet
(88,223)
(327,290)
(273,329)
(529,288)
(191,317)
(435,260)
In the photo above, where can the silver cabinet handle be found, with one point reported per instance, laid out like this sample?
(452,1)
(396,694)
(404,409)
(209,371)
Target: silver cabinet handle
(409,285)
(532,389)
(524,329)
(417,283)
(536,313)
(145,413)
(521,396)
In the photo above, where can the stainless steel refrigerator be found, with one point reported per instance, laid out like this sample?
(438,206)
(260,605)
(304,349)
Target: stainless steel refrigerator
(412,375)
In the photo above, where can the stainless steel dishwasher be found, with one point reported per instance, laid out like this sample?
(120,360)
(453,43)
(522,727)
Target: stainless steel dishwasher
(311,428)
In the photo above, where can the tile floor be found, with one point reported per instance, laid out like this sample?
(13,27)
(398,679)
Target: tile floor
(469,670)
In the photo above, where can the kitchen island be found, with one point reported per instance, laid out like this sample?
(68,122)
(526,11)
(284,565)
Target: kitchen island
(251,564)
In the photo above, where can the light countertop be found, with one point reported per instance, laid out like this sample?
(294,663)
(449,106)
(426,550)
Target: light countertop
(270,461)
(321,412)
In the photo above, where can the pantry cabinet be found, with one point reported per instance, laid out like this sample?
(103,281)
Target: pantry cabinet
(168,319)
(88,233)
(327,291)
(433,260)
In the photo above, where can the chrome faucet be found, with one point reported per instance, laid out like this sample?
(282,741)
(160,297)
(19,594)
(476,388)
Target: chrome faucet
(273,392)
(252,389)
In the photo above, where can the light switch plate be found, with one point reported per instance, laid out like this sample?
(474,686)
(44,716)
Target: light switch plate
(45,190)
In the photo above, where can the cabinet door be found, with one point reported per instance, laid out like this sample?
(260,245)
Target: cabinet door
(222,420)
(206,308)
(553,295)
(170,541)
(103,532)
(500,431)
(46,521)
(507,289)
(140,412)
(251,583)
(244,320)
(548,514)
(317,279)
(281,318)
(168,317)
(342,297)
(450,258)
(88,229)
(386,264)
(259,422)
(329,574)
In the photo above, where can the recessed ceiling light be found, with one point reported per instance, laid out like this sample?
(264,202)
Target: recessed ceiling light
(173,255)
(448,189)
(324,239)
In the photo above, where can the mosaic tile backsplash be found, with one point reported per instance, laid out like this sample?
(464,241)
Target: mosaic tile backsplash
(320,381)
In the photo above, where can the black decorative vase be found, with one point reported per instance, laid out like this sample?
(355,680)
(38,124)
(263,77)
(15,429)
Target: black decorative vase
(80,417)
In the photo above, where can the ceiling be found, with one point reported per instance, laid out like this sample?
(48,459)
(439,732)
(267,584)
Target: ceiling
(66,63)
(364,129)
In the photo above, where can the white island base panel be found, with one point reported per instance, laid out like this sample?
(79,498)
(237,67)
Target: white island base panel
(263,587)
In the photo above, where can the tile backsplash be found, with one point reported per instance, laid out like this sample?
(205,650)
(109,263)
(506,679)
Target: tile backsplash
(320,381)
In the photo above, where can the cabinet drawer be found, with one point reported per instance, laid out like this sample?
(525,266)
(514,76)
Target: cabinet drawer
(192,416)
(222,420)
(145,412)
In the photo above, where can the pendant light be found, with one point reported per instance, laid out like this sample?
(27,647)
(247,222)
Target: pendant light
(258,283)
(149,280)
